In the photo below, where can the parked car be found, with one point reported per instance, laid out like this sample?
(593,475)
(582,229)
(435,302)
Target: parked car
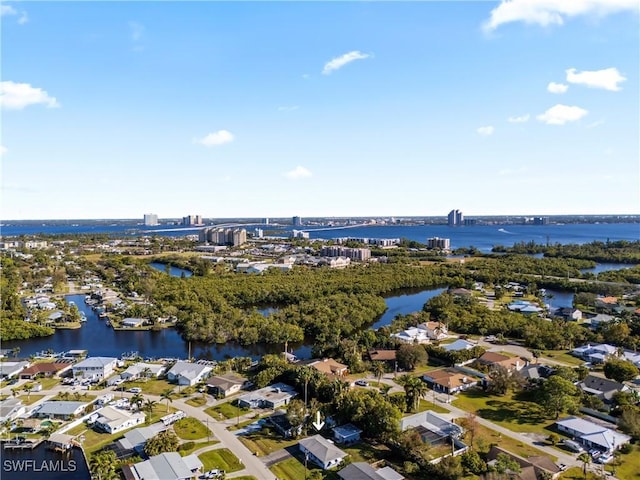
(362,383)
(135,390)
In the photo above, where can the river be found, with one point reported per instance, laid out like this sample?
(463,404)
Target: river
(44,464)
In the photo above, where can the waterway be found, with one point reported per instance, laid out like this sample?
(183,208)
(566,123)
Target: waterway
(173,271)
(102,340)
(42,463)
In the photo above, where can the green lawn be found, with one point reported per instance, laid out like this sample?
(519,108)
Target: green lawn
(29,399)
(562,356)
(575,473)
(292,469)
(365,452)
(629,468)
(265,442)
(191,429)
(429,405)
(226,410)
(48,383)
(196,402)
(197,446)
(515,412)
(245,477)
(152,387)
(221,458)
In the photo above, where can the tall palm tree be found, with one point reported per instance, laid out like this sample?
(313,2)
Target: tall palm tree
(148,407)
(378,370)
(27,388)
(145,373)
(137,400)
(168,396)
(585,458)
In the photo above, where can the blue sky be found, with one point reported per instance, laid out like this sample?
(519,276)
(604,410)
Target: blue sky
(269,109)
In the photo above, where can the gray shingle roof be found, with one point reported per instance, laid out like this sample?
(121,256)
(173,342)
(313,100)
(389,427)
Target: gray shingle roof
(322,449)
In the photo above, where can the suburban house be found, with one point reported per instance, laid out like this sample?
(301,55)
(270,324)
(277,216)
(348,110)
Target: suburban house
(114,420)
(492,359)
(227,384)
(11,369)
(95,368)
(133,322)
(45,369)
(166,466)
(592,435)
(11,408)
(383,356)
(321,452)
(135,440)
(432,427)
(600,319)
(60,409)
(364,471)
(531,468)
(273,396)
(328,366)
(346,434)
(141,370)
(423,333)
(186,373)
(601,387)
(632,357)
(524,306)
(598,353)
(281,423)
(607,303)
(569,313)
(449,380)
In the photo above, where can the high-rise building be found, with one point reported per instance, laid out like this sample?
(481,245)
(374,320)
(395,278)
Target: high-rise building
(150,219)
(455,218)
(297,221)
(541,220)
(192,220)
(265,221)
(439,243)
(223,236)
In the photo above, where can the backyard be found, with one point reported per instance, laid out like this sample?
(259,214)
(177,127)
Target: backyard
(221,458)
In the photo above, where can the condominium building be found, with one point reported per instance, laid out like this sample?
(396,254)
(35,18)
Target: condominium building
(455,218)
(359,254)
(223,236)
(439,243)
(297,221)
(192,220)
(150,219)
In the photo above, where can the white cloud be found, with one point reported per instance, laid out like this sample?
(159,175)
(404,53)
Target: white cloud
(289,108)
(554,87)
(608,78)
(16,96)
(561,114)
(553,12)
(297,173)
(486,131)
(521,119)
(343,60)
(136,31)
(216,138)
(8,10)
(595,124)
(3,150)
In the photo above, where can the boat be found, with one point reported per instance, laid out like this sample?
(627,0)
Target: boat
(83,317)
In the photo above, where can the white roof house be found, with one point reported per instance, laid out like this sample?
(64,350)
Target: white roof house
(11,369)
(321,452)
(60,409)
(113,420)
(273,396)
(186,373)
(138,370)
(11,408)
(95,368)
(136,439)
(592,434)
(166,466)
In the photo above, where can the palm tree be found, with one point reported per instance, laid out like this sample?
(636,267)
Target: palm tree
(145,373)
(27,388)
(15,351)
(148,407)
(168,396)
(378,370)
(103,465)
(585,458)
(137,400)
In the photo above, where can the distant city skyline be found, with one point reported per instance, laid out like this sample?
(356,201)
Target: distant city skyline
(319,109)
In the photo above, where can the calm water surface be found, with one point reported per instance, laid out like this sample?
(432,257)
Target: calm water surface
(44,464)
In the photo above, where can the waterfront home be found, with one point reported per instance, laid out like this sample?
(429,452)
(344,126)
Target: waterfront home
(364,471)
(11,369)
(187,373)
(10,409)
(449,381)
(423,333)
(434,330)
(227,384)
(493,359)
(523,306)
(601,387)
(592,435)
(143,370)
(568,313)
(60,441)
(95,368)
(135,440)
(48,369)
(60,409)
(531,468)
(133,322)
(327,366)
(273,396)
(598,353)
(113,420)
(321,452)
(346,434)
(166,466)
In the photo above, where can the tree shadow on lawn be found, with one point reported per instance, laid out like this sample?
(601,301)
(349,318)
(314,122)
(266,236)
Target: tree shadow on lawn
(514,412)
